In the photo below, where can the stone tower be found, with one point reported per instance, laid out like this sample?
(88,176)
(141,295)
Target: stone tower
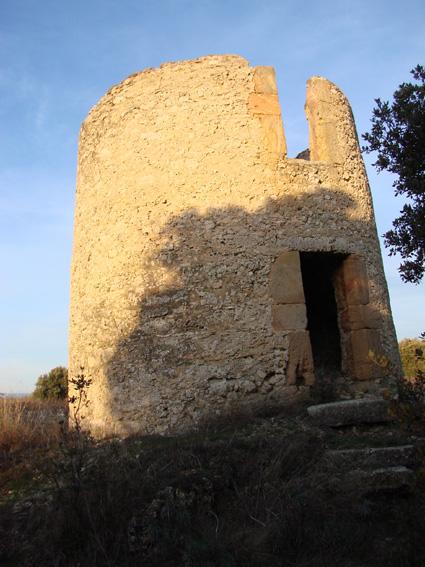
(211,271)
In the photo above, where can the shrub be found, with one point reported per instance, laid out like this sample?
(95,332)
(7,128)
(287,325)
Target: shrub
(412,353)
(52,386)
(410,408)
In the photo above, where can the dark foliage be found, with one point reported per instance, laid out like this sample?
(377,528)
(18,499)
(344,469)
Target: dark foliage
(52,386)
(398,135)
(245,491)
(412,353)
(242,497)
(410,407)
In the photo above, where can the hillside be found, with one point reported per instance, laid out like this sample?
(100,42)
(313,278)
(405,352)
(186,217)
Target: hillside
(256,490)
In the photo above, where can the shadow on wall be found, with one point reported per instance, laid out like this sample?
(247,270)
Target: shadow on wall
(204,340)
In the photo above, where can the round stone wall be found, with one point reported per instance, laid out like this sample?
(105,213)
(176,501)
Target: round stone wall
(185,203)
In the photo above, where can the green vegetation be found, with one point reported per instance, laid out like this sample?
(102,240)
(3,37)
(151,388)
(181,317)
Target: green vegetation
(52,386)
(412,353)
(398,135)
(410,409)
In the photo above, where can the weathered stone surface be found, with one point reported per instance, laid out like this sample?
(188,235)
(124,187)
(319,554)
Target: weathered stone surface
(355,281)
(185,203)
(273,135)
(323,127)
(368,360)
(300,368)
(265,80)
(290,317)
(266,107)
(371,457)
(286,285)
(350,412)
(375,480)
(305,154)
(263,104)
(356,317)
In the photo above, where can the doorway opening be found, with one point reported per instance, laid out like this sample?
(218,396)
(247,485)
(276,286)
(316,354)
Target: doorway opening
(319,274)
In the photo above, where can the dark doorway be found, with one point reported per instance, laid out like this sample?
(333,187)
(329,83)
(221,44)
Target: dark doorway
(319,272)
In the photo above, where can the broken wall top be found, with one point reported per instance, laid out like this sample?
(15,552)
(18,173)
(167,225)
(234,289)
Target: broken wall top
(219,115)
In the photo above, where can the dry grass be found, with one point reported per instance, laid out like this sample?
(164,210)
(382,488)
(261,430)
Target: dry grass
(247,491)
(27,424)
(252,494)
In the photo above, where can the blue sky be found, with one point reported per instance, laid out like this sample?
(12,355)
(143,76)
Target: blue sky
(58,57)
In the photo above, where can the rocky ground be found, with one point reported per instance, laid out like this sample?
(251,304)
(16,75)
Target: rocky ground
(314,488)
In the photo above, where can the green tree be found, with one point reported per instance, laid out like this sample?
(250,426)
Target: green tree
(52,386)
(398,137)
(412,353)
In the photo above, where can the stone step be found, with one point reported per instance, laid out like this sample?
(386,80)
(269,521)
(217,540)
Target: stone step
(350,412)
(370,458)
(375,480)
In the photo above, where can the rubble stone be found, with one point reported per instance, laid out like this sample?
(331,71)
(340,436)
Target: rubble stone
(350,412)
(186,280)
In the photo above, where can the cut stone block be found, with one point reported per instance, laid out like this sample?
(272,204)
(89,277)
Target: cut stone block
(327,140)
(265,80)
(286,285)
(300,368)
(356,317)
(263,104)
(368,361)
(323,132)
(274,137)
(350,412)
(377,480)
(290,317)
(371,458)
(355,280)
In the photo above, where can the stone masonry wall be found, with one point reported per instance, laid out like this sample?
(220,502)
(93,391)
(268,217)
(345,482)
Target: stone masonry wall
(185,202)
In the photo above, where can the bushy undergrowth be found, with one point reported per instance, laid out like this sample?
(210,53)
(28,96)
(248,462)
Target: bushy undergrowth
(232,496)
(410,406)
(412,354)
(27,424)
